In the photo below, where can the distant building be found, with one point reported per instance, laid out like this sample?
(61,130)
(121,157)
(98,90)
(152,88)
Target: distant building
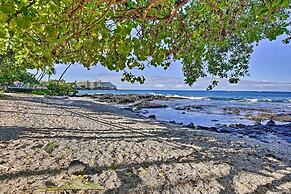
(95,85)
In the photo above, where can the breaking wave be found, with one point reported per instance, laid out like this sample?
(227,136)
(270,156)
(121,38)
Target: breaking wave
(254,100)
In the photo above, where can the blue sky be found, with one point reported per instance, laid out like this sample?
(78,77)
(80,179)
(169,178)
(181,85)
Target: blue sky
(270,69)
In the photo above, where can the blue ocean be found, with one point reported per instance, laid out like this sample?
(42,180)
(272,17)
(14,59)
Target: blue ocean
(210,108)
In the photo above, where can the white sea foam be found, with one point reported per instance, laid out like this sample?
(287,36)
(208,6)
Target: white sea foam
(188,97)
(252,100)
(249,100)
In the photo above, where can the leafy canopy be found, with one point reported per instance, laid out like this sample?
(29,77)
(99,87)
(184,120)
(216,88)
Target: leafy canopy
(210,37)
(11,72)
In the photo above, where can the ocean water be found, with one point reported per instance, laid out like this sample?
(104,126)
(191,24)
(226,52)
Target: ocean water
(210,108)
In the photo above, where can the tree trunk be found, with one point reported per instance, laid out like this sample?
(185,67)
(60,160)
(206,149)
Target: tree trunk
(64,73)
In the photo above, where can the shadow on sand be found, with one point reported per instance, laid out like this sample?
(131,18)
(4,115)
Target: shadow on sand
(216,151)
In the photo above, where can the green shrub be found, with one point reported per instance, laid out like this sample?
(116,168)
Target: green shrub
(40,92)
(55,88)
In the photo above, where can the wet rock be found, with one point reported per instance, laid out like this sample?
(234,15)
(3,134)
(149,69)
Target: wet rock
(152,117)
(214,129)
(202,127)
(231,110)
(77,167)
(259,127)
(214,120)
(148,105)
(124,98)
(183,113)
(190,125)
(254,136)
(246,132)
(193,108)
(271,123)
(237,125)
(260,132)
(173,122)
(179,108)
(224,130)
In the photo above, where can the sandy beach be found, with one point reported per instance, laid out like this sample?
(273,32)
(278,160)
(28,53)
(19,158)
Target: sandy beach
(125,153)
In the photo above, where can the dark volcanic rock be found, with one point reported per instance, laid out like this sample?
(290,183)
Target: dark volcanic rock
(213,129)
(246,132)
(237,125)
(202,127)
(152,117)
(142,105)
(77,167)
(124,98)
(225,129)
(253,136)
(271,123)
(190,125)
(192,108)
(231,110)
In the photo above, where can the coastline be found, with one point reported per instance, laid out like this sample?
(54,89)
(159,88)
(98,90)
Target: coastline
(127,152)
(249,120)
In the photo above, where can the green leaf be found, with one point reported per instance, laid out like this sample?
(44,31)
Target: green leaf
(21,22)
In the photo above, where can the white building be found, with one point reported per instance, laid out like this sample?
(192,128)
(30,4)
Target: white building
(95,85)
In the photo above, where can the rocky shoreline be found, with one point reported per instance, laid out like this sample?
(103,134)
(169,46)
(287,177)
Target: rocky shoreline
(139,103)
(124,98)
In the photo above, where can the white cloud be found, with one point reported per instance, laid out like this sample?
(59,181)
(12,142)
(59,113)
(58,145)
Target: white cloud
(164,81)
(159,86)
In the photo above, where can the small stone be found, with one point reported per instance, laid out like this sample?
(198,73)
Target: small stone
(183,113)
(190,125)
(49,184)
(77,167)
(152,116)
(271,123)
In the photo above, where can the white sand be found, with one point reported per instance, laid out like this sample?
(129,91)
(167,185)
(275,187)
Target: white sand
(126,153)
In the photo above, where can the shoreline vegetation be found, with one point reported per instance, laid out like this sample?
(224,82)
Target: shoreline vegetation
(56,144)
